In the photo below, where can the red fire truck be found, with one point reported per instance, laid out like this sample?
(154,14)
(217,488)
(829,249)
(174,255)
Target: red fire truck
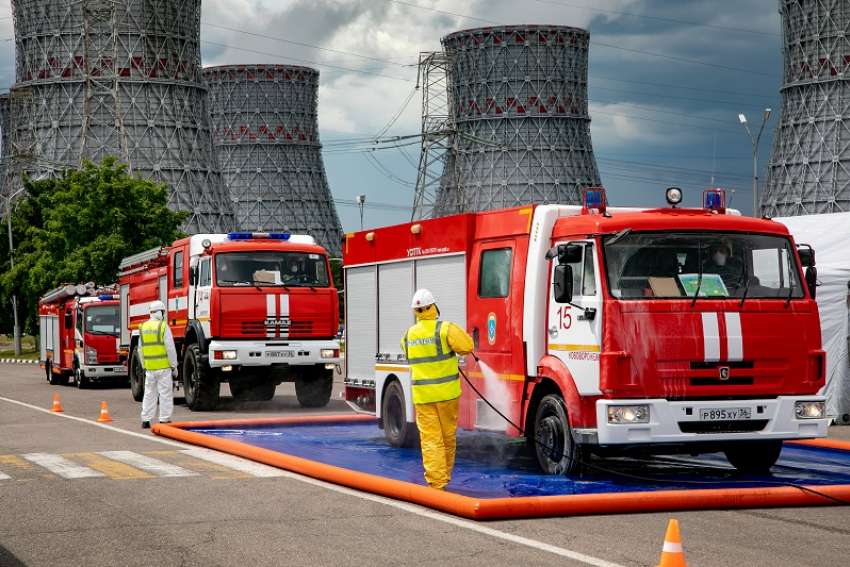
(78,335)
(249,309)
(608,330)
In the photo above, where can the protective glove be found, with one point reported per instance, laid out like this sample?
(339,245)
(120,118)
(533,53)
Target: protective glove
(174,373)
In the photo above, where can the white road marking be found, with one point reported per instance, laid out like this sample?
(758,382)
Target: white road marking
(4,476)
(252,468)
(400,505)
(61,466)
(147,464)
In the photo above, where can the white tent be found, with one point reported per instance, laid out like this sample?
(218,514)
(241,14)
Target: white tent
(829,236)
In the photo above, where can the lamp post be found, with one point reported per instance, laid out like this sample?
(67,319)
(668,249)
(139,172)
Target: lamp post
(360,200)
(755,142)
(17,330)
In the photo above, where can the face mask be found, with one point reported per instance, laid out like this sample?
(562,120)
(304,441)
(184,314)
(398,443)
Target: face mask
(157,315)
(719,258)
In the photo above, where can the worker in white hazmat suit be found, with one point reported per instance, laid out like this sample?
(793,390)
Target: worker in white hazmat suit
(431,347)
(159,359)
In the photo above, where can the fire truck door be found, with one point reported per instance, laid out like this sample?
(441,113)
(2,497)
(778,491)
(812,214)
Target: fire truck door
(489,315)
(200,304)
(66,359)
(575,329)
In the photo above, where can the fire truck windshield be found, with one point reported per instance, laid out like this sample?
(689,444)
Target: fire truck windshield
(102,319)
(270,269)
(670,265)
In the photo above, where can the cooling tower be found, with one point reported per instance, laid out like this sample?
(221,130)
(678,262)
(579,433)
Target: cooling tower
(265,127)
(809,169)
(120,77)
(518,95)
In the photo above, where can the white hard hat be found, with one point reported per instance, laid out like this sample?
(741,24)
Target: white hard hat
(157,306)
(422,298)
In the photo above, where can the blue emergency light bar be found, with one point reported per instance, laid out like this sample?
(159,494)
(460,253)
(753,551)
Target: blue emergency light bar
(107,297)
(594,198)
(258,235)
(714,200)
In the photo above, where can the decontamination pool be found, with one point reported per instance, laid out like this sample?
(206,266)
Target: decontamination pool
(495,477)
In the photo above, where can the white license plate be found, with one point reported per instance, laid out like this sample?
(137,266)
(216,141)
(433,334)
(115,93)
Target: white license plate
(280,354)
(119,369)
(725,414)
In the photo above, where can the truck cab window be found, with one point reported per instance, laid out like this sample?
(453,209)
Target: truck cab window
(584,276)
(494,277)
(205,276)
(178,269)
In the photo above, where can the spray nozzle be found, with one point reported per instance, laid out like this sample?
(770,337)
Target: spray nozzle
(477,360)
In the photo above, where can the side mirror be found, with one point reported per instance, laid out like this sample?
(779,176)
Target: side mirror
(566,253)
(563,282)
(69,320)
(807,255)
(193,275)
(811,276)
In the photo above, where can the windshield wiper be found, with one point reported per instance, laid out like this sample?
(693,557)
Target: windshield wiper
(746,275)
(790,277)
(699,274)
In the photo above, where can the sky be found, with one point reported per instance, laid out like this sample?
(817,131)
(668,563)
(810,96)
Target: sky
(667,80)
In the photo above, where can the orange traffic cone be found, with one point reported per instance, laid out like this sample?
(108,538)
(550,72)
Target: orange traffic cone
(57,407)
(104,413)
(671,554)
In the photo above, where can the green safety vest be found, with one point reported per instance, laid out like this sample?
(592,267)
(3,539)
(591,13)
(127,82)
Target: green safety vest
(434,373)
(152,336)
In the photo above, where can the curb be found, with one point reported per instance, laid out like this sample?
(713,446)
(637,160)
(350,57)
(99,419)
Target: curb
(18,361)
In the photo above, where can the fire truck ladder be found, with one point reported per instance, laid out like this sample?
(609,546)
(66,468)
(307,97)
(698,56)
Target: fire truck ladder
(138,262)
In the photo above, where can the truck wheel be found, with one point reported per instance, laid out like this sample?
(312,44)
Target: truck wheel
(79,377)
(252,389)
(556,451)
(137,376)
(399,432)
(201,385)
(52,378)
(313,386)
(753,457)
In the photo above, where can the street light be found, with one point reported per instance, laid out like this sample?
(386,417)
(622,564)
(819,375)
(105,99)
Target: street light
(755,142)
(360,200)
(17,330)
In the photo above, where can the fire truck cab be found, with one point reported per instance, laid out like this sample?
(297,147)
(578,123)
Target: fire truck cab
(249,309)
(78,335)
(599,330)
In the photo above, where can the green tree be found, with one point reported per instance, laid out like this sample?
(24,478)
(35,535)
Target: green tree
(78,227)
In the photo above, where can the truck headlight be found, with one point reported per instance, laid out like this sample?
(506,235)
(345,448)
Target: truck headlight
(628,414)
(330,353)
(91,355)
(224,355)
(809,410)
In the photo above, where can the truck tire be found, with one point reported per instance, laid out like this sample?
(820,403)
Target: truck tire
(79,377)
(753,457)
(52,378)
(252,389)
(137,376)
(400,432)
(313,386)
(201,385)
(556,451)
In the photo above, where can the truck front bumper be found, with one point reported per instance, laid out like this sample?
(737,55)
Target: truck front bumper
(723,420)
(273,353)
(112,371)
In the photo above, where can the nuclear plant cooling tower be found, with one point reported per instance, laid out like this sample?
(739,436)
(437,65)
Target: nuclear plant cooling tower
(265,127)
(518,97)
(809,169)
(105,77)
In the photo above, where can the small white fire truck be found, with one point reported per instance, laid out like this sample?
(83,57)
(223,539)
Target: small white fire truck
(78,335)
(609,330)
(249,309)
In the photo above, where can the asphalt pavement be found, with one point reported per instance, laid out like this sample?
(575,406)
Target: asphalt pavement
(77,492)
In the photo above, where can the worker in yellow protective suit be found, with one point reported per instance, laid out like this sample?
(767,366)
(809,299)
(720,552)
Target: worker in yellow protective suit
(431,347)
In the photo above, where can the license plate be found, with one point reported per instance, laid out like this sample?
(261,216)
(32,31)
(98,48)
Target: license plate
(280,354)
(119,369)
(725,414)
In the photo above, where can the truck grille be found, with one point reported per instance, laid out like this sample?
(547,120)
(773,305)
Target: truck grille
(741,426)
(258,328)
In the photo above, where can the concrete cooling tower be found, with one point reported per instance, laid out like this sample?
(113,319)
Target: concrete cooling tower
(518,97)
(266,132)
(97,78)
(809,169)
